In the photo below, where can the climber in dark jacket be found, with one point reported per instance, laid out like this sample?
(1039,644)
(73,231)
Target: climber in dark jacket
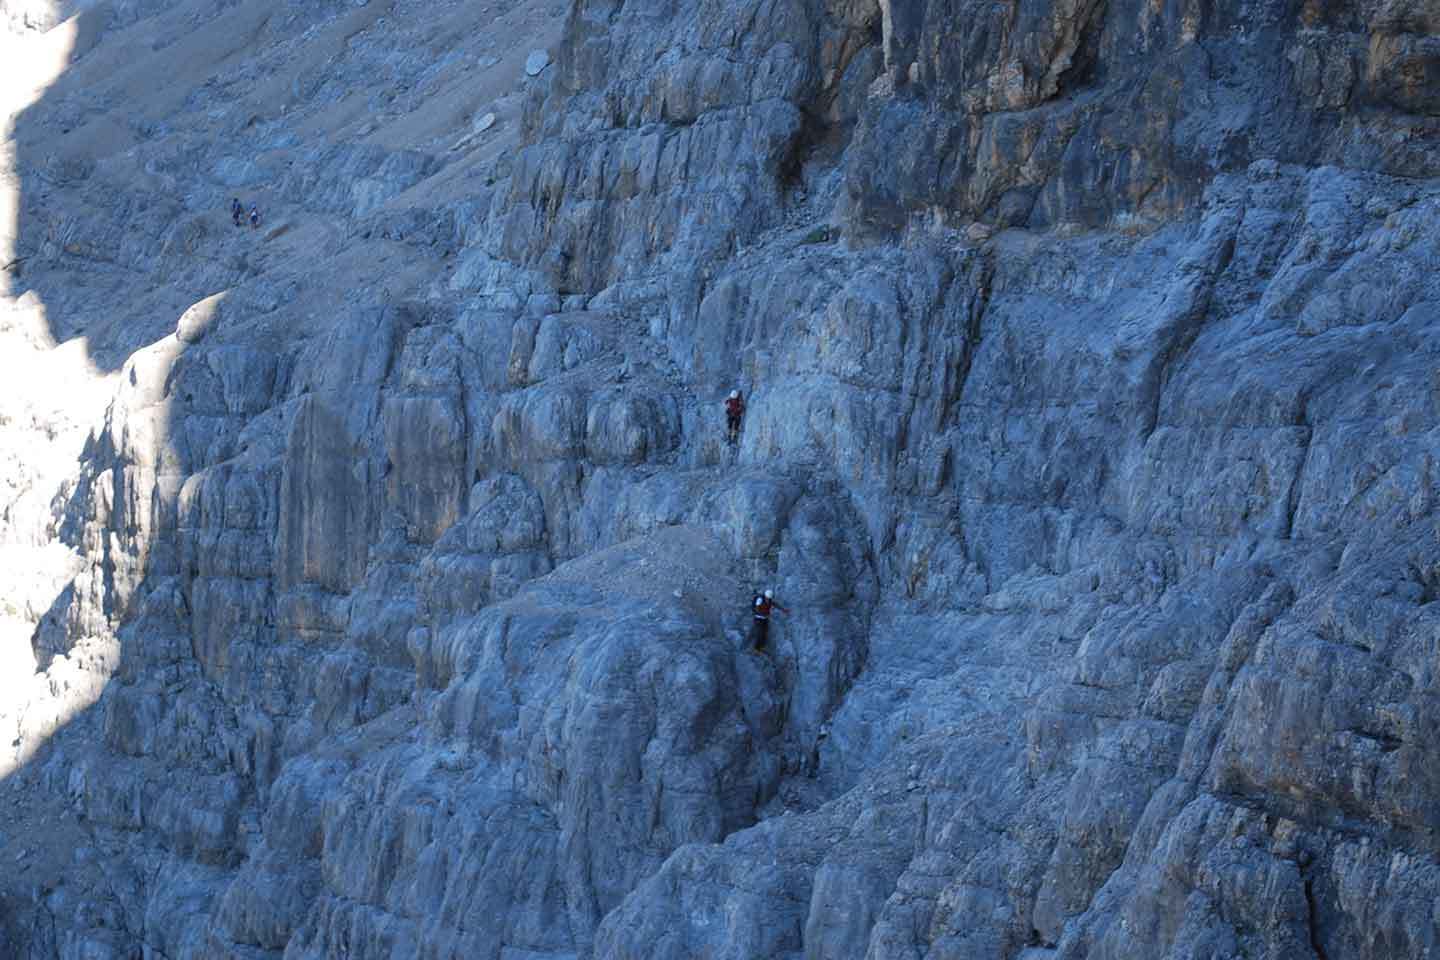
(237,211)
(760,609)
(734,413)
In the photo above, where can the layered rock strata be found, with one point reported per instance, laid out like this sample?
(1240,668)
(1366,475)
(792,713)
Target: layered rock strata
(395,569)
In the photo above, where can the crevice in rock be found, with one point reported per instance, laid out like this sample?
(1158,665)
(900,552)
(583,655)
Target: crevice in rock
(1085,58)
(977,300)
(1297,482)
(1429,590)
(1180,335)
(814,136)
(1329,631)
(1312,922)
(1387,742)
(1187,329)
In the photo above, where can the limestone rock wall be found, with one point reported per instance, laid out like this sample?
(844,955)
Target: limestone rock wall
(400,584)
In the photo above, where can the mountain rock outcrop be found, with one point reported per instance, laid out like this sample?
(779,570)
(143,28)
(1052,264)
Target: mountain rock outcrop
(376,578)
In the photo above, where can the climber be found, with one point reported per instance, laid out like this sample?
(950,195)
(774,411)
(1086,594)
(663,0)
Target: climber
(760,609)
(734,413)
(237,211)
(254,215)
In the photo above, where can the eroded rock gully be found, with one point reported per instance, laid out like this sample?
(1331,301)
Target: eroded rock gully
(376,578)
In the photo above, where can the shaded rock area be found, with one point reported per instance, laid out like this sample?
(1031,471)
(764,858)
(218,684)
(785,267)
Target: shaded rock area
(376,578)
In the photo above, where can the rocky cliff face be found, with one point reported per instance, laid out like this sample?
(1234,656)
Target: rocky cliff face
(379,574)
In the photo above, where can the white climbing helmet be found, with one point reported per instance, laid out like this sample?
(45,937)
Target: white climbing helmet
(734,394)
(769,594)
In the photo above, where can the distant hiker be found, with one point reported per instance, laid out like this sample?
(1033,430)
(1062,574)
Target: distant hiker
(254,215)
(734,413)
(237,211)
(760,609)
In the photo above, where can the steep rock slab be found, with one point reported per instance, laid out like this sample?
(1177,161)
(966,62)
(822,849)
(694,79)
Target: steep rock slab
(593,722)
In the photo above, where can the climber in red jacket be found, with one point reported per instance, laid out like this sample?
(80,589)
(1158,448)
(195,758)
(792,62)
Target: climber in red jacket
(760,609)
(734,413)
